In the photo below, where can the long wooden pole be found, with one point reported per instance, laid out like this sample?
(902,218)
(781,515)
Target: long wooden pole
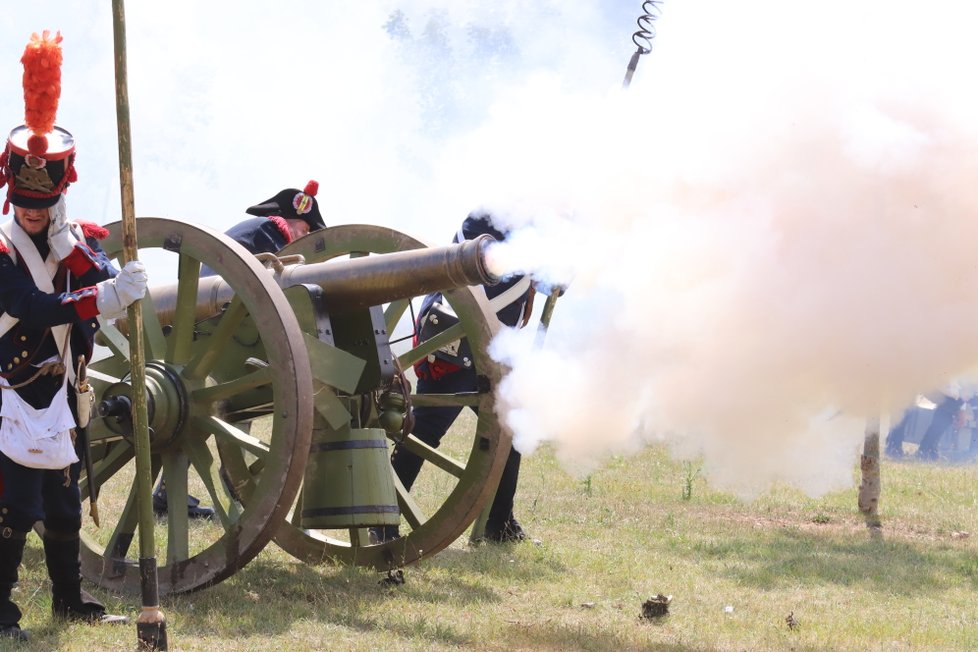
(151,624)
(871,486)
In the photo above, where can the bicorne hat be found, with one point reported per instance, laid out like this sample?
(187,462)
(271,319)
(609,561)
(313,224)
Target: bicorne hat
(293,204)
(39,160)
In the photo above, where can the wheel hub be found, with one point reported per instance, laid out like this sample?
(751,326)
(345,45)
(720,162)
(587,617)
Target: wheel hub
(167,406)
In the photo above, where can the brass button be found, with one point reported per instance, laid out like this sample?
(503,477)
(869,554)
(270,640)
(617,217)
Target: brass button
(24,353)
(94,324)
(16,360)
(23,338)
(9,366)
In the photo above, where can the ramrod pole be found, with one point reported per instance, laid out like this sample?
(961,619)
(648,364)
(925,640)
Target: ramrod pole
(150,625)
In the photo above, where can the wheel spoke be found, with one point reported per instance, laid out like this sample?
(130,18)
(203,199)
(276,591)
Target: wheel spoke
(117,457)
(433,455)
(410,510)
(447,336)
(202,363)
(152,331)
(114,339)
(209,472)
(177,520)
(228,433)
(100,381)
(230,389)
(395,310)
(359,536)
(125,527)
(182,335)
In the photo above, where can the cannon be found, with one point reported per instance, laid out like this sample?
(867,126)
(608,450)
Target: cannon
(273,391)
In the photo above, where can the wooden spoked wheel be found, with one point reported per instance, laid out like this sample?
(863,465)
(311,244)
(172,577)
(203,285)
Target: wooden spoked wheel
(203,372)
(458,477)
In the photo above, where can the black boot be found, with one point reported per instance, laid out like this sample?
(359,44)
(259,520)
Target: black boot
(383,534)
(501,525)
(68,600)
(11,553)
(510,531)
(194,509)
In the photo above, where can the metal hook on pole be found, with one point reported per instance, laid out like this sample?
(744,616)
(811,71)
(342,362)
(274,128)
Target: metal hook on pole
(151,624)
(643,37)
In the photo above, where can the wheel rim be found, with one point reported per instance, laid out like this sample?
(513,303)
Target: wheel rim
(198,372)
(471,474)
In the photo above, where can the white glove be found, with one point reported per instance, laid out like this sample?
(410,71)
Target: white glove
(60,237)
(115,294)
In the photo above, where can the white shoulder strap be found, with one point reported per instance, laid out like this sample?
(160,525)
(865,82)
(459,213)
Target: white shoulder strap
(42,271)
(510,296)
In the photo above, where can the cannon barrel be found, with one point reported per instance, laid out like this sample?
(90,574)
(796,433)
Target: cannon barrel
(358,282)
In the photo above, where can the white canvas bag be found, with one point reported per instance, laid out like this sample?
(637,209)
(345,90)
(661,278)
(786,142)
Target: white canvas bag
(37,439)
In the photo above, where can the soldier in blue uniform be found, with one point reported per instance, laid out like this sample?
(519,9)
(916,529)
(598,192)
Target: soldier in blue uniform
(289,215)
(450,372)
(55,281)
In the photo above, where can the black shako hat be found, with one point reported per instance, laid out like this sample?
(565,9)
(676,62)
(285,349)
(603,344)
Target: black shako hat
(293,204)
(38,161)
(38,181)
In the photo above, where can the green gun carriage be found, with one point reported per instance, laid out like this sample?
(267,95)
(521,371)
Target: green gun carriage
(273,393)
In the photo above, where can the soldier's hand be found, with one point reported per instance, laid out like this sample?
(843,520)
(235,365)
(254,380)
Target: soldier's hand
(60,237)
(116,294)
(131,282)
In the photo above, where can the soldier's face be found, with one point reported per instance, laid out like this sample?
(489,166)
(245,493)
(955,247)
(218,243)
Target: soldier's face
(32,220)
(298,228)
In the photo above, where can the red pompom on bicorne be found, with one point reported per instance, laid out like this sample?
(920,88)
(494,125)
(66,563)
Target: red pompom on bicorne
(3,247)
(311,188)
(93,230)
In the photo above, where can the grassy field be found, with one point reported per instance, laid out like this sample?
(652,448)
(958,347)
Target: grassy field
(640,526)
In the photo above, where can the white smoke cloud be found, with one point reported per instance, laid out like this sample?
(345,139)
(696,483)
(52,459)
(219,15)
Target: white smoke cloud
(768,236)
(773,234)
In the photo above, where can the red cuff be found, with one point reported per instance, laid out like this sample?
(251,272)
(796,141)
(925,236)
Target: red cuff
(80,260)
(87,308)
(83,300)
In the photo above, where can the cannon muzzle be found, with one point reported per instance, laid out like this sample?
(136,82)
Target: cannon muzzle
(360,282)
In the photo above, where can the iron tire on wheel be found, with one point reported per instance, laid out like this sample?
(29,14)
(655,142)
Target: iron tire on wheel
(200,367)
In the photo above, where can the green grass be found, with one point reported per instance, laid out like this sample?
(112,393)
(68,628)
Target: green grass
(639,526)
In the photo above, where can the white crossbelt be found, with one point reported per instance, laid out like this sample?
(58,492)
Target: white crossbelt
(43,274)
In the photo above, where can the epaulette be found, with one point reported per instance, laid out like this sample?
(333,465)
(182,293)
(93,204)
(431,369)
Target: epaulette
(93,230)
